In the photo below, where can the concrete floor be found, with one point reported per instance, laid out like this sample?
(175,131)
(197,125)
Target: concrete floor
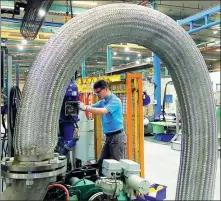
(162,165)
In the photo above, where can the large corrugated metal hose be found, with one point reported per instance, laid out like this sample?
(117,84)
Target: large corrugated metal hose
(37,122)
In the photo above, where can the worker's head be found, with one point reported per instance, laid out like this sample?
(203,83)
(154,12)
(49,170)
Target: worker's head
(101,89)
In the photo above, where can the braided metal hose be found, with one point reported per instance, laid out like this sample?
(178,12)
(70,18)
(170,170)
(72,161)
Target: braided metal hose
(37,122)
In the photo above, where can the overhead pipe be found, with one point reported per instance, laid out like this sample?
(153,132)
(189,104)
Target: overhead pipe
(38,117)
(16,20)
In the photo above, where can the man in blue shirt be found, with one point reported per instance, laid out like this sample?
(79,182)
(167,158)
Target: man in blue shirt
(110,107)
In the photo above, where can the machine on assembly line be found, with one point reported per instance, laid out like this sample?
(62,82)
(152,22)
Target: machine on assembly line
(121,181)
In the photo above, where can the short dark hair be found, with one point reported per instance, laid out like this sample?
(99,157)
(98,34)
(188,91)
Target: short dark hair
(100,84)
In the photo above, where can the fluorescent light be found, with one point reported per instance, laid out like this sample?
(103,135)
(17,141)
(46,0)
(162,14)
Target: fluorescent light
(215,32)
(85,3)
(139,55)
(42,13)
(217,43)
(10,7)
(127,49)
(24,42)
(128,58)
(170,12)
(115,53)
(149,60)
(20,47)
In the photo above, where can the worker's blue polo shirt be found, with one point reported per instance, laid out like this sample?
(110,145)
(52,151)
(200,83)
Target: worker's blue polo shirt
(113,120)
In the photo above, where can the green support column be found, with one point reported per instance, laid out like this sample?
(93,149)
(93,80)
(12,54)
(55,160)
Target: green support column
(166,72)
(83,72)
(109,58)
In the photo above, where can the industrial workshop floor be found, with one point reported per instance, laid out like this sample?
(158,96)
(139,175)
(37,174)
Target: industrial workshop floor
(162,165)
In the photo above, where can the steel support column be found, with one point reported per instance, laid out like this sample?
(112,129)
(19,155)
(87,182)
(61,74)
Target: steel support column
(157,91)
(109,58)
(83,69)
(157,81)
(166,72)
(9,86)
(17,74)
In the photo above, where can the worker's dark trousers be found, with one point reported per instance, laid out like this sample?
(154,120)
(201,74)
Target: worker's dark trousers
(114,148)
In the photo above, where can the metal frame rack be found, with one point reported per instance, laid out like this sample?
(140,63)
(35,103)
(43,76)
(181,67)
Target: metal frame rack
(187,21)
(130,92)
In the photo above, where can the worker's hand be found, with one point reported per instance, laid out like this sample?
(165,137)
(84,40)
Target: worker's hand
(82,106)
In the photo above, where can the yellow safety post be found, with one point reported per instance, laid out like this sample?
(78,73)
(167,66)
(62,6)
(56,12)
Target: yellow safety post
(97,134)
(141,126)
(129,119)
(136,123)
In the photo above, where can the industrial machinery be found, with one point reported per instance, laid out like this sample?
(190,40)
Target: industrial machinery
(69,131)
(121,181)
(35,165)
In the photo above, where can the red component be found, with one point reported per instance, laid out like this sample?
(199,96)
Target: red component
(63,188)
(87,103)
(80,96)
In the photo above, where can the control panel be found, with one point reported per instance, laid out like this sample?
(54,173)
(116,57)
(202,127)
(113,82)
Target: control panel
(71,108)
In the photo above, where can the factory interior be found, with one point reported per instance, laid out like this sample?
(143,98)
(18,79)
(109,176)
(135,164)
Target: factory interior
(161,62)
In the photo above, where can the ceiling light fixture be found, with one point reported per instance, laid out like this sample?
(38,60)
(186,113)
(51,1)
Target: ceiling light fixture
(128,58)
(115,53)
(85,3)
(139,55)
(24,42)
(217,43)
(170,12)
(127,49)
(20,47)
(137,62)
(215,32)
(42,13)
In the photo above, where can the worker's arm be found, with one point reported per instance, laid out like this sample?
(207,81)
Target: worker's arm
(94,110)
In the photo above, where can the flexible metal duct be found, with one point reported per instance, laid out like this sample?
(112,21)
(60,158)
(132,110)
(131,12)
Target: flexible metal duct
(36,131)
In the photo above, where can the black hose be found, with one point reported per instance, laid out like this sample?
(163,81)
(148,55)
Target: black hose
(5,136)
(115,188)
(14,102)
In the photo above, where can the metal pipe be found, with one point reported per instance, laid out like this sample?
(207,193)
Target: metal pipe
(37,122)
(9,87)
(15,20)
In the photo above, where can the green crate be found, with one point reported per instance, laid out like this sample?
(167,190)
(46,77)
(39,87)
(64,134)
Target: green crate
(158,128)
